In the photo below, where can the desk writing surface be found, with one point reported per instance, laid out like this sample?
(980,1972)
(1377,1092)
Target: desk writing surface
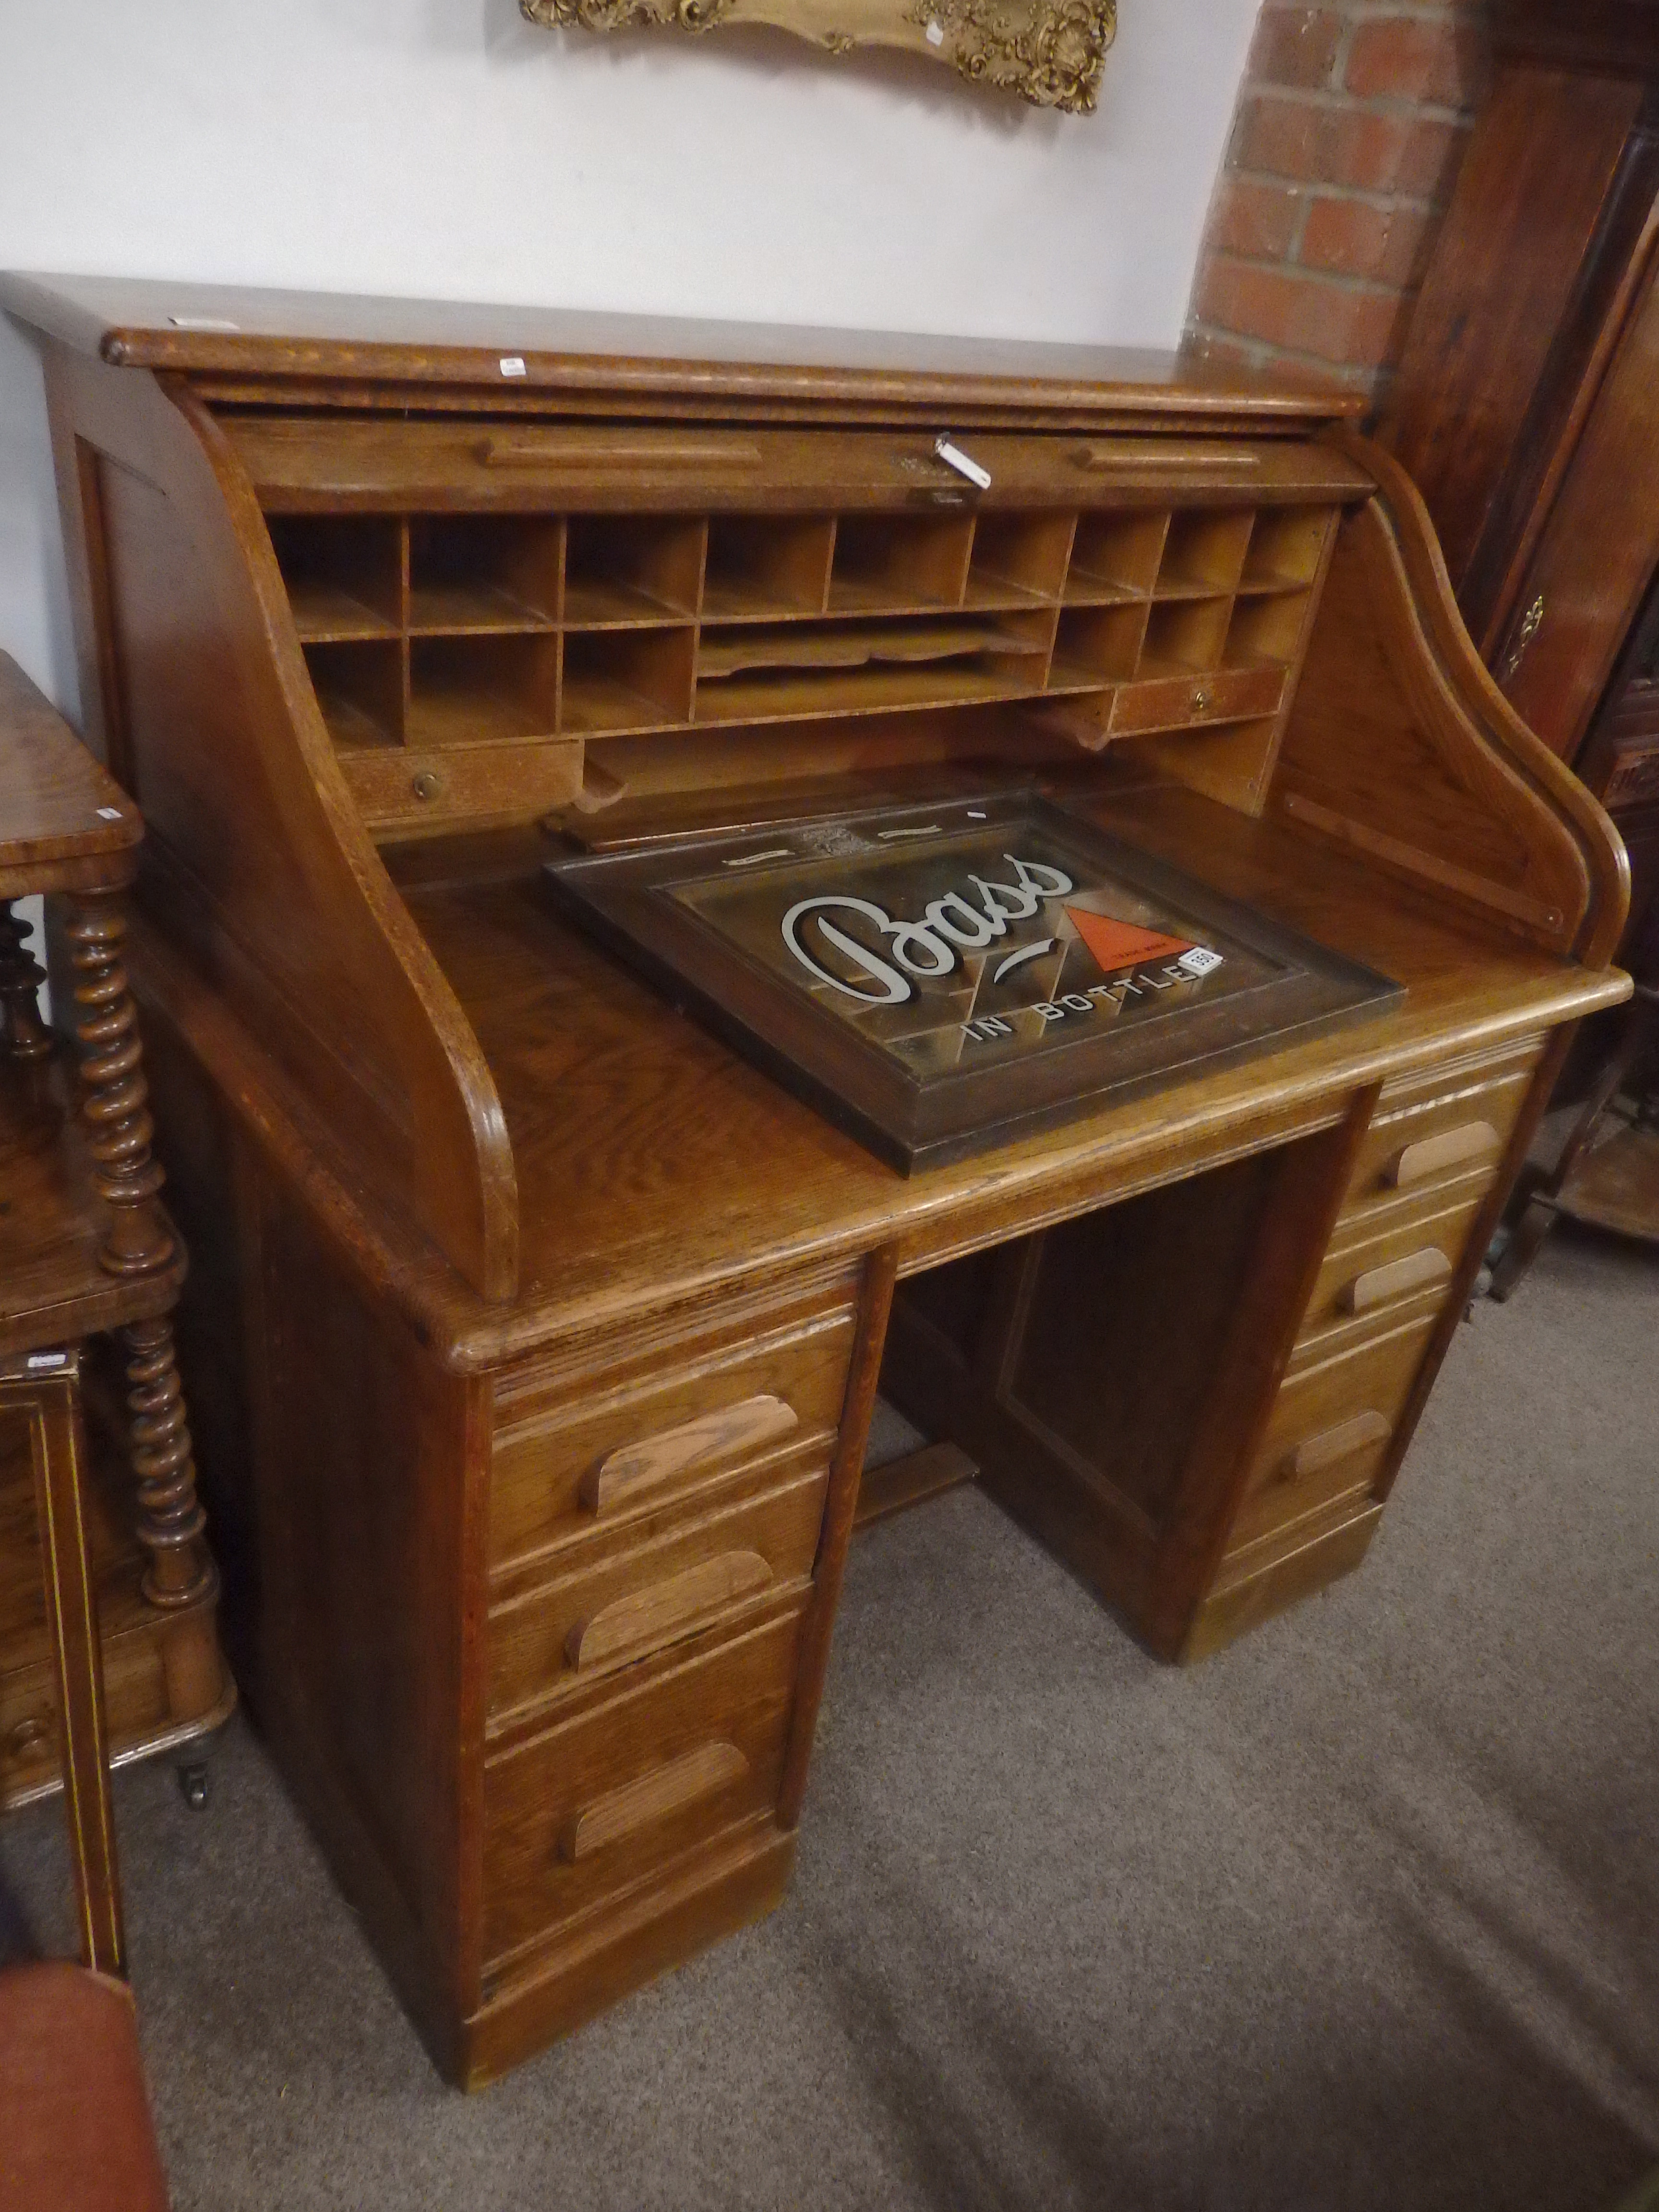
(651,1160)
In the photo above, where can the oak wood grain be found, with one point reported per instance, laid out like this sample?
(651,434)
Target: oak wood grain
(731,1691)
(646,1618)
(651,1797)
(622,1475)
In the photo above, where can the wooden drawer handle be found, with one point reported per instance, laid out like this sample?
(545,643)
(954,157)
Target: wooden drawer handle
(1333,1445)
(1432,1156)
(1415,1271)
(1154,453)
(623,1474)
(618,1814)
(580,449)
(645,1619)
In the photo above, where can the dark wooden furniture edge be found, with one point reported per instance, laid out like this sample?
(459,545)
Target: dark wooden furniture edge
(1615,37)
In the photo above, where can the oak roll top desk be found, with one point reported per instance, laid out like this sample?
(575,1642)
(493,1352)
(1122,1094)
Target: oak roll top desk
(533,1334)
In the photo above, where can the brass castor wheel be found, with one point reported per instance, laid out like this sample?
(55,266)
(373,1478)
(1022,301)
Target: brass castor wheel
(194,1782)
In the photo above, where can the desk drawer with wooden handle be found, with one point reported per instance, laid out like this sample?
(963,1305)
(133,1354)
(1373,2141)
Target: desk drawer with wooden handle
(622,1789)
(1328,1432)
(615,1610)
(579,1467)
(1437,1128)
(1368,1284)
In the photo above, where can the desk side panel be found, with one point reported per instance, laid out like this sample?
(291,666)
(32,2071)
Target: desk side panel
(347,1475)
(257,859)
(1401,748)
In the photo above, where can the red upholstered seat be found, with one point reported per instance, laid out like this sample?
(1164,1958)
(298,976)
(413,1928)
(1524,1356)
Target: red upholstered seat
(75,2124)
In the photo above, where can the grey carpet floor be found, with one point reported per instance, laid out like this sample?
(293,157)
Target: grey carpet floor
(1363,1913)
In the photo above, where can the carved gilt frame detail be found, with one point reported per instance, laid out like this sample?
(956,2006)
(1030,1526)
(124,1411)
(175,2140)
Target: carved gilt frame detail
(1050,52)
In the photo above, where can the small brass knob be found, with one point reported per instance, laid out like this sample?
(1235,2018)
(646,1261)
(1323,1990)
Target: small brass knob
(1200,701)
(427,785)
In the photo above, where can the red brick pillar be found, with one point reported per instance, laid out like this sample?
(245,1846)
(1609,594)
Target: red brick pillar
(1352,119)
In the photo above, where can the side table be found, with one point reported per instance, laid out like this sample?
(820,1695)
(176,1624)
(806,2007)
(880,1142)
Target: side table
(1607,1176)
(90,1272)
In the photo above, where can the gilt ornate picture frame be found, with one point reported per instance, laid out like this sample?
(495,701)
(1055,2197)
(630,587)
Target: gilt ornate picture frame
(1050,52)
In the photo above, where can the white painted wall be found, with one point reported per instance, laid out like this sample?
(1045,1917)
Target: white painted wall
(445,147)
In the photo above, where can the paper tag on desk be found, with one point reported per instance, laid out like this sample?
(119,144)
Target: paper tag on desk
(1200,961)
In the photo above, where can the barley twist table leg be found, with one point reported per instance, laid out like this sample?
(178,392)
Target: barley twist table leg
(115,1103)
(21,976)
(170,1518)
(116,1108)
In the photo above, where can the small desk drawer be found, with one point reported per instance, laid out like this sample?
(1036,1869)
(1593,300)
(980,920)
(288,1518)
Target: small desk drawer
(1172,702)
(611,1795)
(1329,1430)
(1411,1262)
(1437,1127)
(398,787)
(613,1612)
(564,1471)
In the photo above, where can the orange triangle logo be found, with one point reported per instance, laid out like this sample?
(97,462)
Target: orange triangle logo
(1117,944)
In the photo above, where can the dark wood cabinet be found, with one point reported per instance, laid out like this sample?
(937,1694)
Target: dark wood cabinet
(1527,408)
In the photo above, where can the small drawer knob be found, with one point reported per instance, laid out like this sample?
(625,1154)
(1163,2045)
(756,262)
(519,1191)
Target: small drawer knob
(28,1739)
(1201,700)
(426,785)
